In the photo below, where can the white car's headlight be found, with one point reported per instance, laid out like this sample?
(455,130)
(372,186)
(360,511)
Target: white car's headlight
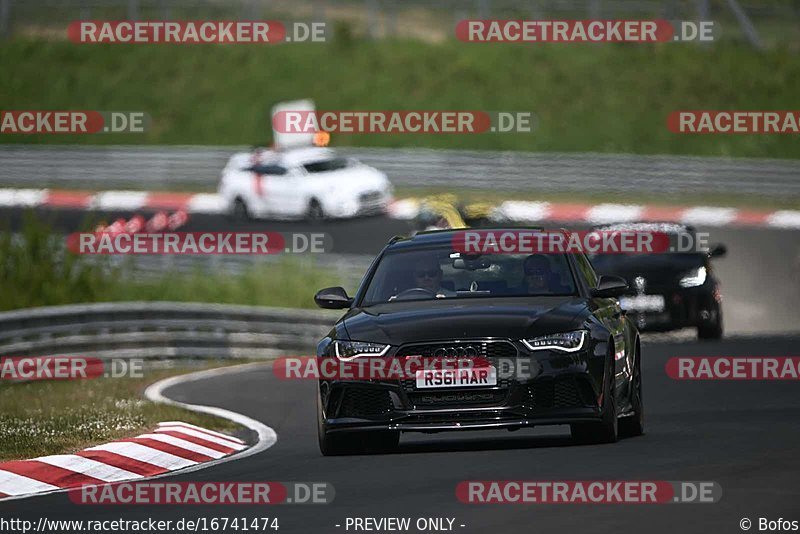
(349,350)
(694,278)
(564,341)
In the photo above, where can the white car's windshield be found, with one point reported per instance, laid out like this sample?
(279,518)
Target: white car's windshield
(443,273)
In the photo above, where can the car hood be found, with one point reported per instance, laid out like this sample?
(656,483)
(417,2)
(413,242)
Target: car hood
(398,323)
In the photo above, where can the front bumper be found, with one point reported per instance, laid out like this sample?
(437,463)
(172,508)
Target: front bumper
(557,388)
(683,307)
(369,203)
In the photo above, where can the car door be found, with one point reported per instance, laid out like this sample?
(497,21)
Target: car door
(275,187)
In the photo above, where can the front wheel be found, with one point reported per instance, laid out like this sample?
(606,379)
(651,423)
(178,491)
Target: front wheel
(607,430)
(240,212)
(711,331)
(634,425)
(315,211)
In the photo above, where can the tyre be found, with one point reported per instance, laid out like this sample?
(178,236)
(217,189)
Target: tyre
(240,211)
(315,211)
(712,330)
(607,429)
(634,425)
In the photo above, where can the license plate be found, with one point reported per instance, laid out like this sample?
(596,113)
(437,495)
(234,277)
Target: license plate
(456,378)
(645,303)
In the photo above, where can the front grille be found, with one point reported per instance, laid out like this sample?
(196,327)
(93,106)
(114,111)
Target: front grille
(486,349)
(365,402)
(371,197)
(371,202)
(489,350)
(548,393)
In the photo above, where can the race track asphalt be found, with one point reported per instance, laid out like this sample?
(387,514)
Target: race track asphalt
(742,434)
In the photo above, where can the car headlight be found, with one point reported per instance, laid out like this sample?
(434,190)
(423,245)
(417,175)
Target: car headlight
(694,278)
(564,342)
(349,350)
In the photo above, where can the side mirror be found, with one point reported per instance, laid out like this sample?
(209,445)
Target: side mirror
(333,298)
(609,287)
(717,251)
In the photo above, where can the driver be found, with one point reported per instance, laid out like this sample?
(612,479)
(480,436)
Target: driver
(540,278)
(428,275)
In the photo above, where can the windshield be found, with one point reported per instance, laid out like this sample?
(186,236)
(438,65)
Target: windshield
(440,273)
(326,165)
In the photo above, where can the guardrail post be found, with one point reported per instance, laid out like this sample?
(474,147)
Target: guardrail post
(703,9)
(372,18)
(133,9)
(165,10)
(391,19)
(5,18)
(595,9)
(86,11)
(484,8)
(746,24)
(320,12)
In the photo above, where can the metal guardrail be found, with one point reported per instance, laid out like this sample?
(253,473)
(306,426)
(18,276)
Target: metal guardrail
(426,19)
(348,268)
(162,330)
(161,167)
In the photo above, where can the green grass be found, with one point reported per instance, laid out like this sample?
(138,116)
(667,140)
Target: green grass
(285,284)
(64,416)
(34,271)
(605,98)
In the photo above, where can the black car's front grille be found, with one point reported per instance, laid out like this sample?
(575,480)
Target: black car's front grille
(486,349)
(365,402)
(490,350)
(502,349)
(567,392)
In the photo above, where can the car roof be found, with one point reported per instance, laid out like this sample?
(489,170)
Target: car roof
(286,158)
(441,237)
(301,156)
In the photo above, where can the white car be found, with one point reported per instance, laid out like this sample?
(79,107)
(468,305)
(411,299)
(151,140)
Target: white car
(309,182)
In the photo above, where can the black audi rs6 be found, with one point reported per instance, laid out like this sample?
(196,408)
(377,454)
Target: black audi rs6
(552,344)
(672,289)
